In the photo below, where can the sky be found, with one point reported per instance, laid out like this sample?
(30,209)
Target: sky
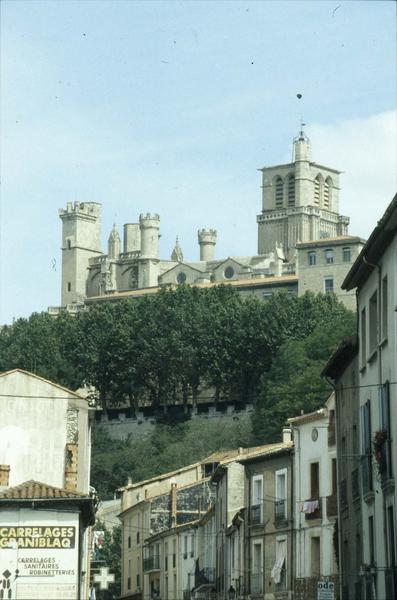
(172,107)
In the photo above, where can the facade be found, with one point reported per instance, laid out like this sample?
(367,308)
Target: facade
(315,501)
(300,204)
(45,501)
(374,276)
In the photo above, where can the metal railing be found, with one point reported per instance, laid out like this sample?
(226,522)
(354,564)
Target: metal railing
(151,563)
(255,514)
(280,511)
(256,583)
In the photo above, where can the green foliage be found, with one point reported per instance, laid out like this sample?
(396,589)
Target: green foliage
(294,383)
(167,448)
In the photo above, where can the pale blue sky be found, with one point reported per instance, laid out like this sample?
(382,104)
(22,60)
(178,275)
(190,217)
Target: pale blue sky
(171,107)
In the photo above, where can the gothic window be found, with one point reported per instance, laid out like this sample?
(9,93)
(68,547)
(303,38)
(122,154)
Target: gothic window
(317,191)
(291,190)
(279,193)
(181,277)
(327,192)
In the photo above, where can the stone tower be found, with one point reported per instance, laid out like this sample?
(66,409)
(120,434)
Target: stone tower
(300,202)
(207,242)
(81,240)
(148,269)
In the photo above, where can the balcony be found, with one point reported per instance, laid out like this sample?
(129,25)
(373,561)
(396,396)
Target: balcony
(316,513)
(280,511)
(332,505)
(151,563)
(255,514)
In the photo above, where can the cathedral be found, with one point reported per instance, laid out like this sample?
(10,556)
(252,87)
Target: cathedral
(303,244)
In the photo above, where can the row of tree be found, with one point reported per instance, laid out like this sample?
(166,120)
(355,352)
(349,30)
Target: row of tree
(165,347)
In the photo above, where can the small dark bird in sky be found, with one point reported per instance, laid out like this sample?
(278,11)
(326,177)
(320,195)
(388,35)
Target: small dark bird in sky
(299,96)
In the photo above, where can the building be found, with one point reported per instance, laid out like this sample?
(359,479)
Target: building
(300,205)
(45,501)
(371,368)
(315,501)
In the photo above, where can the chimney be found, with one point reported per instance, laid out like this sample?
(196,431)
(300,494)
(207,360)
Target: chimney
(287,434)
(4,475)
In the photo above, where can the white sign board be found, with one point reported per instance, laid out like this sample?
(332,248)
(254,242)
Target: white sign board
(39,553)
(325,590)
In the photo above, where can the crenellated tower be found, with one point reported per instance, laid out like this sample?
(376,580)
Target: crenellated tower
(148,270)
(207,242)
(81,240)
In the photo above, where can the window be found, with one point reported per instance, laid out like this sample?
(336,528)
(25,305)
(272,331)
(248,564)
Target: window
(371,539)
(166,588)
(329,256)
(192,546)
(173,554)
(311,258)
(129,541)
(363,341)
(69,245)
(278,572)
(256,577)
(328,285)
(327,193)
(257,499)
(373,322)
(137,537)
(314,480)
(281,495)
(392,542)
(384,411)
(166,556)
(181,277)
(279,193)
(185,546)
(384,308)
(347,254)
(315,556)
(69,286)
(366,447)
(317,190)
(129,575)
(228,272)
(291,190)
(331,428)
(138,580)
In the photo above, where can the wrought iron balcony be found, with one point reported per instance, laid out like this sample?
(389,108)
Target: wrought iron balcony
(316,513)
(151,563)
(280,511)
(255,514)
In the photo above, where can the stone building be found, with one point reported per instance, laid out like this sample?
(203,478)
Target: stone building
(300,205)
(368,484)
(45,501)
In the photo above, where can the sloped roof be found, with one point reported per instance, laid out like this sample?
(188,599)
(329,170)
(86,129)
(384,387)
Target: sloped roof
(47,381)
(36,490)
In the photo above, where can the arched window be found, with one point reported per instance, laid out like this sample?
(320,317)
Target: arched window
(291,190)
(69,245)
(327,192)
(279,193)
(317,191)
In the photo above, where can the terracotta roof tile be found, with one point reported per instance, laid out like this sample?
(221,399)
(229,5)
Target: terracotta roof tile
(37,490)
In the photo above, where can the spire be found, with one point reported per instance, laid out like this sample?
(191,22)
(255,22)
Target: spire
(177,253)
(114,243)
(301,149)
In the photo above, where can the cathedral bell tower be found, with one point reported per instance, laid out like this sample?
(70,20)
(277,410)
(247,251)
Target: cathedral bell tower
(81,240)
(300,202)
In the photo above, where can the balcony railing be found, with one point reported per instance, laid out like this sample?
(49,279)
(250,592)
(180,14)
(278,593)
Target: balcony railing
(280,511)
(332,505)
(151,563)
(255,514)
